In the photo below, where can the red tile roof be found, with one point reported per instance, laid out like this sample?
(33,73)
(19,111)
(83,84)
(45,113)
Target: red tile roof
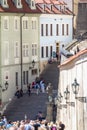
(82,1)
(74,57)
(48,1)
(39,1)
(12,8)
(26,9)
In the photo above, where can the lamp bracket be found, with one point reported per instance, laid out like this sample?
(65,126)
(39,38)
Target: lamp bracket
(82,99)
(64,105)
(4,89)
(31,67)
(71,104)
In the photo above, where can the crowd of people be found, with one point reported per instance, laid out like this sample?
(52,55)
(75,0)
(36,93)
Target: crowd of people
(38,85)
(27,124)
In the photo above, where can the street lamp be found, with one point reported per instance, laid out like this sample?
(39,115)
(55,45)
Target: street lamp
(75,88)
(6,86)
(60,97)
(67,96)
(33,64)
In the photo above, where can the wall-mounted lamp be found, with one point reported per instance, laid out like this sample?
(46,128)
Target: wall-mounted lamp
(6,86)
(33,64)
(75,88)
(60,97)
(67,96)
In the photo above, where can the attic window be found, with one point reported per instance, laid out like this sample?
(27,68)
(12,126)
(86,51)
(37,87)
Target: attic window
(4,3)
(19,2)
(33,3)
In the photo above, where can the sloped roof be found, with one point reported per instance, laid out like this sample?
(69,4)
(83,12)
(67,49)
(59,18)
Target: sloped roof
(26,9)
(74,57)
(12,8)
(82,1)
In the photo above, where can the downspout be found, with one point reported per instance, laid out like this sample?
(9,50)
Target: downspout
(21,57)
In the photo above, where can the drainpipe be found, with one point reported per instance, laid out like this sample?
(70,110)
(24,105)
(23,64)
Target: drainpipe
(21,57)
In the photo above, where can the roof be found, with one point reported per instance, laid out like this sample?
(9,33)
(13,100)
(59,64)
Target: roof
(82,1)
(39,9)
(74,57)
(66,53)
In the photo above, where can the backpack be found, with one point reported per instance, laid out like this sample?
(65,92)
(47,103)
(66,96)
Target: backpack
(53,128)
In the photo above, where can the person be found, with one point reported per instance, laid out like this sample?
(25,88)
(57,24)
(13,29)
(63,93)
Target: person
(29,89)
(57,56)
(21,93)
(49,90)
(5,120)
(61,126)
(17,93)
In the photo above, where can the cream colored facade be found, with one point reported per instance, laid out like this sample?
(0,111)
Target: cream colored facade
(11,40)
(74,117)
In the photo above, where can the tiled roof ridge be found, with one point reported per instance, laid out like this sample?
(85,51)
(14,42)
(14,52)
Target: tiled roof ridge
(73,57)
(26,8)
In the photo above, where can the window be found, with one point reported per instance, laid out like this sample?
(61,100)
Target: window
(42,30)
(46,51)
(46,29)
(57,29)
(67,29)
(19,2)
(42,52)
(62,29)
(51,29)
(51,50)
(33,3)
(5,2)
(16,79)
(24,78)
(25,50)
(27,77)
(16,50)
(6,52)
(34,49)
(16,24)
(34,72)
(6,23)
(33,24)
(25,24)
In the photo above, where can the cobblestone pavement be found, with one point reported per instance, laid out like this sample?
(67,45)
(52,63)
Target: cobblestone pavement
(31,105)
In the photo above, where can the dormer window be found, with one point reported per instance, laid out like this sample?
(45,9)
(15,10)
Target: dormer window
(32,4)
(4,3)
(18,3)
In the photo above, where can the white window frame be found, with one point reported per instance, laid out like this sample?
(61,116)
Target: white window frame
(6,46)
(16,49)
(34,23)
(25,50)
(34,49)
(25,23)
(16,23)
(6,23)
(6,74)
(19,5)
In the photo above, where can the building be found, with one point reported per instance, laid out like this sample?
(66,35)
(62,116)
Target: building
(55,28)
(30,31)
(73,106)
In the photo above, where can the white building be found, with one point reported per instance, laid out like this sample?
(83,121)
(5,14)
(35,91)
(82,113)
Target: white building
(74,115)
(55,28)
